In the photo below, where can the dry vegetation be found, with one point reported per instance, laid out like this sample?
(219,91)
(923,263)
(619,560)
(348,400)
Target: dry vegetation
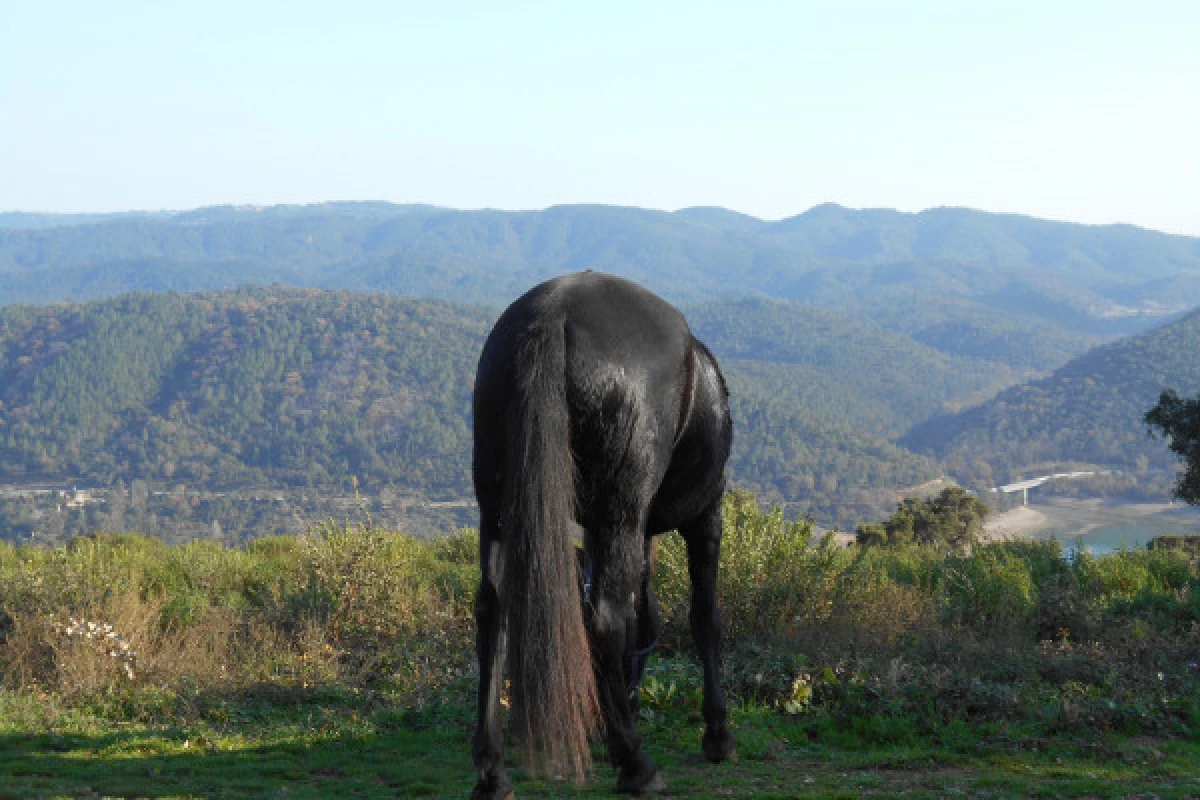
(886,642)
(343,605)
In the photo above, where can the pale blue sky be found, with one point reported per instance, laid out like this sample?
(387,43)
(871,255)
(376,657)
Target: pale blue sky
(1085,111)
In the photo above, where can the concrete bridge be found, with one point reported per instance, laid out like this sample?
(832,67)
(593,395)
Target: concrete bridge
(1024,486)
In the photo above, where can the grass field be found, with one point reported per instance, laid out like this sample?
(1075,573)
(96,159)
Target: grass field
(340,664)
(362,746)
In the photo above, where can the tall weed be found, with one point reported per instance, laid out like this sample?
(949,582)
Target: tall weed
(771,577)
(1012,629)
(340,604)
(993,588)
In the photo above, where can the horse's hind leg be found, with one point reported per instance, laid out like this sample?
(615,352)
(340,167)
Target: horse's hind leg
(617,560)
(703,538)
(493,783)
(649,627)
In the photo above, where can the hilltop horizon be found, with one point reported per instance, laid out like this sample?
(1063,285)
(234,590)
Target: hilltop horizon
(20,218)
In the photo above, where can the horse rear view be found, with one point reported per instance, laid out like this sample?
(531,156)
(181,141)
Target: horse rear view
(597,413)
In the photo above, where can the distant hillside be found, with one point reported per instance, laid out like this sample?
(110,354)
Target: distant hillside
(944,272)
(1089,411)
(846,369)
(268,387)
(274,387)
(960,327)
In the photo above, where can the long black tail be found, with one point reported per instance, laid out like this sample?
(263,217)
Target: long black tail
(554,700)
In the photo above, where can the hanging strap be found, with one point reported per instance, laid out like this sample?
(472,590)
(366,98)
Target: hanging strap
(639,656)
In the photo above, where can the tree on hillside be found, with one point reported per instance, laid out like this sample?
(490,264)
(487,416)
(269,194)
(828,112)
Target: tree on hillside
(1179,419)
(950,521)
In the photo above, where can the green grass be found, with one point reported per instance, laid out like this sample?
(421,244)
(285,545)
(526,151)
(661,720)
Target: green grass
(363,746)
(341,664)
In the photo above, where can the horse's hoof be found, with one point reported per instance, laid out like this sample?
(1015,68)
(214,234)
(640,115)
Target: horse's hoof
(719,746)
(642,785)
(644,778)
(493,789)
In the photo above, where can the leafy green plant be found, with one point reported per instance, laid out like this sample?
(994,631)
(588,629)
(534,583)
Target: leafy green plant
(824,637)
(799,700)
(994,586)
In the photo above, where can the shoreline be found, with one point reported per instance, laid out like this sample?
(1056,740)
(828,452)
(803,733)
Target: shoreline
(1111,521)
(1016,523)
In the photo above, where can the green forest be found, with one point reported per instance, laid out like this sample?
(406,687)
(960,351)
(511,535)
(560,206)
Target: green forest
(256,411)
(289,387)
(181,411)
(1089,412)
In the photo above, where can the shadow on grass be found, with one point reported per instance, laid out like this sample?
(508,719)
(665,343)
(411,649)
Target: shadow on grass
(151,764)
(297,755)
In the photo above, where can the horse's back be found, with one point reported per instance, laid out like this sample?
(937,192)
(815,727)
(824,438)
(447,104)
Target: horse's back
(617,337)
(626,360)
(621,338)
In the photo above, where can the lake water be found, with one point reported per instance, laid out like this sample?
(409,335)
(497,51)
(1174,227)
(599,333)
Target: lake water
(1122,536)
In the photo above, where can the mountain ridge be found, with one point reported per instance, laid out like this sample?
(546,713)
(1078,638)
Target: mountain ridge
(1113,278)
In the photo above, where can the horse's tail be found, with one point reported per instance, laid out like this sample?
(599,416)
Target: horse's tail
(553,692)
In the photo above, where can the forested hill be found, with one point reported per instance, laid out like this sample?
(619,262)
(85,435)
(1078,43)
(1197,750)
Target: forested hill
(1074,279)
(294,387)
(847,368)
(270,387)
(1090,411)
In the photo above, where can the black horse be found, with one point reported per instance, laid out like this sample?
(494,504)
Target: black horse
(596,411)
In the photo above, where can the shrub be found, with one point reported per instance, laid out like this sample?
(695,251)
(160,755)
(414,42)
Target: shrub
(1189,545)
(909,632)
(771,576)
(339,604)
(951,521)
(994,588)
